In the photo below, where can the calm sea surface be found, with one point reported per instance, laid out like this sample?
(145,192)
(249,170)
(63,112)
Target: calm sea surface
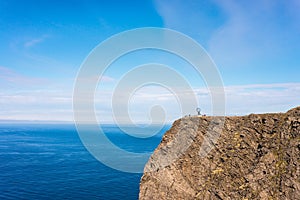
(50,162)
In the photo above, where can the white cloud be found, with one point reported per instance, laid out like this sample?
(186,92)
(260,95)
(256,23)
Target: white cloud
(238,33)
(8,76)
(35,41)
(255,32)
(262,98)
(240,100)
(104,79)
(190,17)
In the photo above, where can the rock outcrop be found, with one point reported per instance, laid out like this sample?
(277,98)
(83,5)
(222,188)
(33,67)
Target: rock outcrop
(255,157)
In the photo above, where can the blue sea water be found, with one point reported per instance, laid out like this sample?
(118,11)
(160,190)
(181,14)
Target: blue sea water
(50,162)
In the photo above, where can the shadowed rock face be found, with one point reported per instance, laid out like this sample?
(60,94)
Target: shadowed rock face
(255,157)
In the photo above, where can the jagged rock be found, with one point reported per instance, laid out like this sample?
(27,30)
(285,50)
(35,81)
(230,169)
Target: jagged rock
(256,157)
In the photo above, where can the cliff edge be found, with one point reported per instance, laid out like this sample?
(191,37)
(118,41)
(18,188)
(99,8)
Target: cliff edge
(255,157)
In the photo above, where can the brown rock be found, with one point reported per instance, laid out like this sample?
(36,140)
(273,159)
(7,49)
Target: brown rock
(255,157)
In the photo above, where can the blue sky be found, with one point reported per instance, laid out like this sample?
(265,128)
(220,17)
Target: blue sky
(255,44)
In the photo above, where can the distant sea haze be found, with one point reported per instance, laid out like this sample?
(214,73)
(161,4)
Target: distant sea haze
(48,161)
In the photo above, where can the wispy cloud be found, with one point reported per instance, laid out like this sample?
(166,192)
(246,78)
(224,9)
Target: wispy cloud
(35,41)
(9,76)
(36,105)
(260,98)
(239,33)
(104,79)
(240,100)
(193,18)
(255,32)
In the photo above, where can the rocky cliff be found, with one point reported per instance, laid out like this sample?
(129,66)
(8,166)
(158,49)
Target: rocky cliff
(254,157)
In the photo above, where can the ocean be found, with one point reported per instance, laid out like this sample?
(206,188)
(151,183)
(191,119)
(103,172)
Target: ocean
(47,161)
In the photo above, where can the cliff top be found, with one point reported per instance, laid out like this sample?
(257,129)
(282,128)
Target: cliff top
(240,157)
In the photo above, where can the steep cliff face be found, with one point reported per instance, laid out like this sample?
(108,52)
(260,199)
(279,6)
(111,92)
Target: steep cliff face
(255,157)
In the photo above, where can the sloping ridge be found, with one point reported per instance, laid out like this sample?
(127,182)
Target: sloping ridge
(256,157)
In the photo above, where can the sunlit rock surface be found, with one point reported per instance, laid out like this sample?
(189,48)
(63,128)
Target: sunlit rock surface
(255,157)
